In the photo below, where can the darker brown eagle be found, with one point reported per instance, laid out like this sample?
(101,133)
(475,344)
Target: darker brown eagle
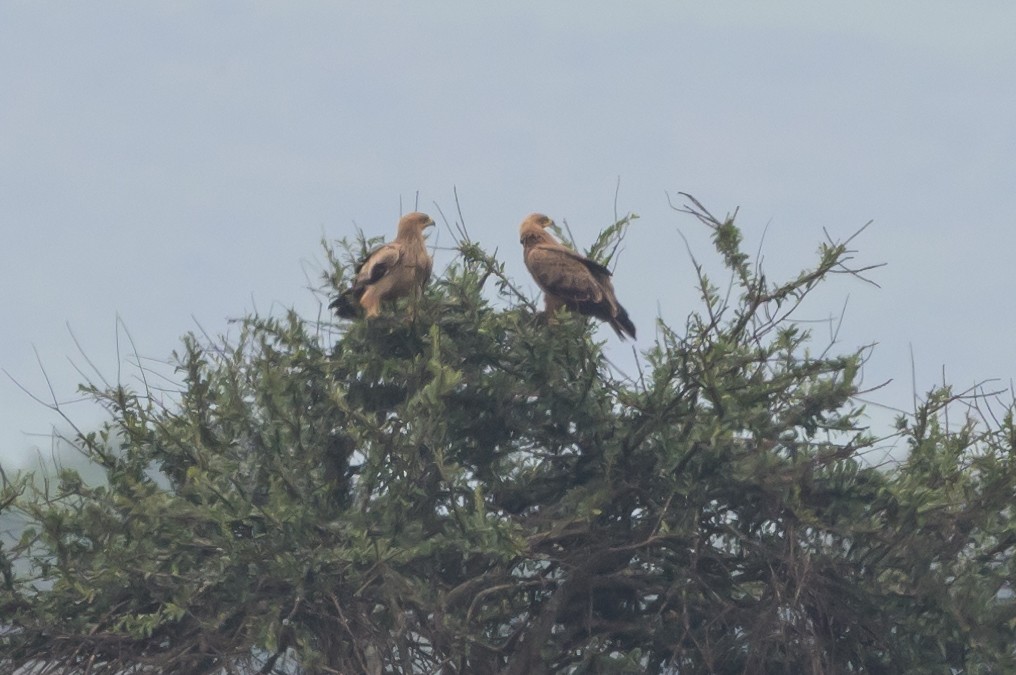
(393,270)
(569,279)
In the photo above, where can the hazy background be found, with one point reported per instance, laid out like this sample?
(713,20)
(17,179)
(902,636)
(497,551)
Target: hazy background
(176,164)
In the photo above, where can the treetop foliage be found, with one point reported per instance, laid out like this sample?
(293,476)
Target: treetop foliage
(467,489)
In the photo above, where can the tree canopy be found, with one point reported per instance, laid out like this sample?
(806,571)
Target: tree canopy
(466,489)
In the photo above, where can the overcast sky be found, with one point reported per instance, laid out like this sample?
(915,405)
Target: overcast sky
(176,164)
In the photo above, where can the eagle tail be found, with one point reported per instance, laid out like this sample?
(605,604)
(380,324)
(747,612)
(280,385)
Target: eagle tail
(346,305)
(622,324)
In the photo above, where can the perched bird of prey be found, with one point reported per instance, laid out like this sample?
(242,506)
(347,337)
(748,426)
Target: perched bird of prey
(569,279)
(393,270)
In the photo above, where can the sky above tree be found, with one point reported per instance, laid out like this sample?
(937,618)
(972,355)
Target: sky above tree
(175,165)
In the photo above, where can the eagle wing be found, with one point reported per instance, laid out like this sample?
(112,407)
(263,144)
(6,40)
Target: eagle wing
(566,275)
(372,269)
(379,263)
(578,283)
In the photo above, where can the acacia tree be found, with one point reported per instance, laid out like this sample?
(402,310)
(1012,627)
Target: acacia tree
(471,490)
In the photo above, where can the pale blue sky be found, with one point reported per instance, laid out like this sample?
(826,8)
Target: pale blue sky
(173,162)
